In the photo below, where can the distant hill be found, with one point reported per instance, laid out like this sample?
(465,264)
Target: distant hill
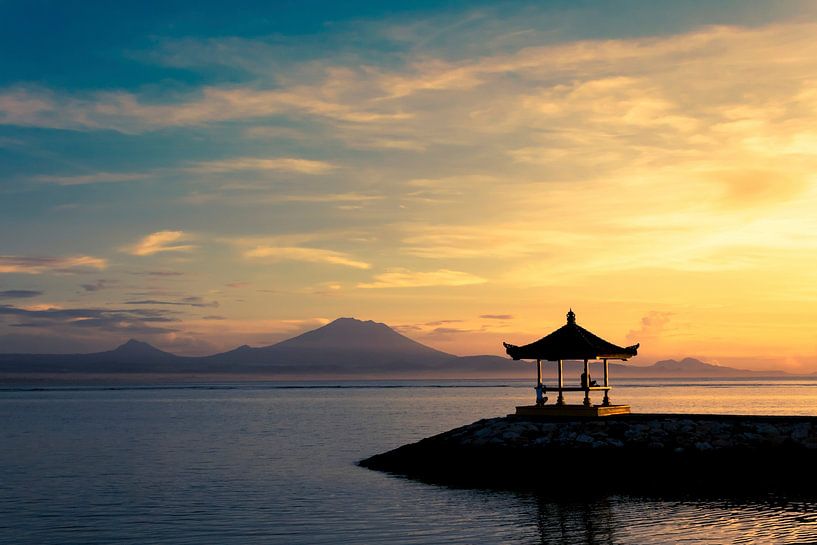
(133,357)
(346,347)
(136,351)
(685,368)
(695,368)
(690,368)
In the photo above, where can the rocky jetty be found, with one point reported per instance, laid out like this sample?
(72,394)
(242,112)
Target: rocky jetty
(636,452)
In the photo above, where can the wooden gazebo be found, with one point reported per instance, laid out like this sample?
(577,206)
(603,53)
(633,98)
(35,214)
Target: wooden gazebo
(572,342)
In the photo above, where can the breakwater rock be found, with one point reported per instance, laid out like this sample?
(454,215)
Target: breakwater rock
(635,452)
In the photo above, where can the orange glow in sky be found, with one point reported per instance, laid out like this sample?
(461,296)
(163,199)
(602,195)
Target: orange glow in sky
(465,184)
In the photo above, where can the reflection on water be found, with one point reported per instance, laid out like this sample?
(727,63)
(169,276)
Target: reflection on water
(263,464)
(634,520)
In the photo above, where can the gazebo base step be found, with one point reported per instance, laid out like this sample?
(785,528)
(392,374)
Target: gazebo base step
(571,410)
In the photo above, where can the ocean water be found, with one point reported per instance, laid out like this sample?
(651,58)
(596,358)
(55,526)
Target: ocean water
(275,463)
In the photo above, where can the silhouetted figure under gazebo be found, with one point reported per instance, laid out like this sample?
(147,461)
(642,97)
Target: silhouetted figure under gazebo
(572,342)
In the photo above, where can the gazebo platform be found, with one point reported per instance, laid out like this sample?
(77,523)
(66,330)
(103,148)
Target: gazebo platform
(570,410)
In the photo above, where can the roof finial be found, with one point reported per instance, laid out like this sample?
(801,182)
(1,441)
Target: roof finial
(571,316)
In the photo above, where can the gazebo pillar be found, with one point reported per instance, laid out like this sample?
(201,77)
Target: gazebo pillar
(561,399)
(540,400)
(606,401)
(586,385)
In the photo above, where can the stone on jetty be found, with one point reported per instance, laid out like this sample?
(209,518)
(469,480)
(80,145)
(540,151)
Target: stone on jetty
(646,452)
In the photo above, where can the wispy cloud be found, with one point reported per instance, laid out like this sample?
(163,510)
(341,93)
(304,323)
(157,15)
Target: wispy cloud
(325,289)
(313,255)
(158,274)
(221,166)
(95,178)
(129,113)
(162,241)
(371,95)
(192,301)
(19,294)
(97,285)
(437,323)
(256,198)
(284,164)
(446,331)
(404,278)
(111,320)
(40,265)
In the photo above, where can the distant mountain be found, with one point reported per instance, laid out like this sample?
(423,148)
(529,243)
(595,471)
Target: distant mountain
(344,347)
(351,335)
(132,357)
(690,367)
(135,351)
(685,368)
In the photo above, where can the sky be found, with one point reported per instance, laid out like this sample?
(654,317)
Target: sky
(201,175)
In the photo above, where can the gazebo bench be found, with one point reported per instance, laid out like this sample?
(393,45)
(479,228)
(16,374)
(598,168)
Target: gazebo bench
(545,388)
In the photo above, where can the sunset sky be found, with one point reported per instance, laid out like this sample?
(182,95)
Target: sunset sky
(201,175)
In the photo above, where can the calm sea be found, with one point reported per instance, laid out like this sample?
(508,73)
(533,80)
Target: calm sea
(275,463)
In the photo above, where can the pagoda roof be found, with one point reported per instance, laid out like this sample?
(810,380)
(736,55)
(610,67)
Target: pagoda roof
(571,342)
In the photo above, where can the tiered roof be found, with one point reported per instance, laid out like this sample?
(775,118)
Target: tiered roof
(571,342)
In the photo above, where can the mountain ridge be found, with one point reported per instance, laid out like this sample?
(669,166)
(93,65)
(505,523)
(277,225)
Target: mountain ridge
(345,346)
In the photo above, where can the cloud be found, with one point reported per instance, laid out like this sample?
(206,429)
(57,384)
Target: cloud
(67,319)
(346,92)
(404,278)
(40,265)
(222,166)
(407,328)
(255,198)
(652,325)
(99,177)
(423,326)
(448,331)
(378,142)
(19,294)
(162,241)
(161,274)
(448,334)
(284,164)
(186,301)
(464,241)
(98,285)
(496,316)
(129,113)
(441,322)
(312,255)
(325,289)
